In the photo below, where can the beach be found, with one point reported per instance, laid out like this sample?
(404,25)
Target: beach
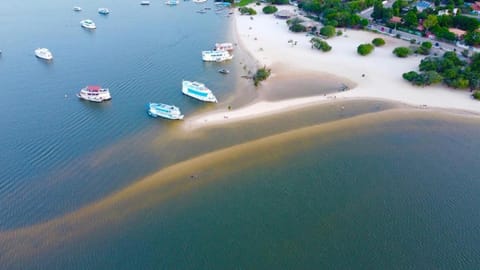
(376,76)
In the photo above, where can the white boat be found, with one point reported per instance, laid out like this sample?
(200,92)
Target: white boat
(198,90)
(224,46)
(43,53)
(77,9)
(171,2)
(103,11)
(224,71)
(216,56)
(199,1)
(89,24)
(145,3)
(164,110)
(94,93)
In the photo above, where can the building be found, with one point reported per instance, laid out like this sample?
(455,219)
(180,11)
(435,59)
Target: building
(459,33)
(422,5)
(284,14)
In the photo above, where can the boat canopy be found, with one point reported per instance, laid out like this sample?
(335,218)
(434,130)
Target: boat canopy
(94,88)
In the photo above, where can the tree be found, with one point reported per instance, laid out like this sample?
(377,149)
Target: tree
(269,9)
(430,22)
(328,31)
(297,28)
(365,49)
(261,75)
(476,95)
(402,52)
(378,42)
(320,44)
(410,19)
(465,23)
(377,13)
(472,38)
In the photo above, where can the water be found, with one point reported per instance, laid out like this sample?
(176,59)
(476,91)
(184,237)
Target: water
(140,53)
(347,185)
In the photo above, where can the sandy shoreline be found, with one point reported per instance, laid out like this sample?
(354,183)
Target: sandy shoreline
(377,76)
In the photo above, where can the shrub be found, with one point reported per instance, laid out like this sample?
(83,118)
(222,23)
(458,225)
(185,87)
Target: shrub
(320,44)
(270,9)
(247,10)
(402,52)
(328,31)
(261,75)
(339,33)
(364,49)
(378,42)
(427,44)
(297,28)
(476,95)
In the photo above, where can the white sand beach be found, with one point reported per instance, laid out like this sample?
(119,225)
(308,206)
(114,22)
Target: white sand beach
(376,76)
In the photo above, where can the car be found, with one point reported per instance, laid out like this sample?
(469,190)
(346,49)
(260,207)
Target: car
(437,45)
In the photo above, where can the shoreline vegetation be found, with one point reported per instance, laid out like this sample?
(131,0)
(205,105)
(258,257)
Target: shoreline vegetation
(378,76)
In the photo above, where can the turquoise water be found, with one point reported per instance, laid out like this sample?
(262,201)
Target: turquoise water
(374,192)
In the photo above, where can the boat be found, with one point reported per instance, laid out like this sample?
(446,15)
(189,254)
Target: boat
(201,11)
(198,90)
(145,3)
(164,110)
(199,1)
(89,24)
(171,2)
(216,56)
(43,53)
(224,71)
(77,9)
(224,46)
(103,11)
(94,93)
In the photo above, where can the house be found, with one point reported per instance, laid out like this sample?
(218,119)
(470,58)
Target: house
(459,33)
(476,8)
(447,12)
(311,26)
(284,14)
(396,19)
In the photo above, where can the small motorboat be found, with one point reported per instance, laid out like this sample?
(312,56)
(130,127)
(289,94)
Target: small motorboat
(145,3)
(77,9)
(224,71)
(103,11)
(164,110)
(89,24)
(43,53)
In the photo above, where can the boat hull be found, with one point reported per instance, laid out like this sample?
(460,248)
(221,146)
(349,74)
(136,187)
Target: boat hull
(191,90)
(165,111)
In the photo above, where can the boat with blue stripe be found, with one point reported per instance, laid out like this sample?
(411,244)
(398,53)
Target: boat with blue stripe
(198,90)
(164,110)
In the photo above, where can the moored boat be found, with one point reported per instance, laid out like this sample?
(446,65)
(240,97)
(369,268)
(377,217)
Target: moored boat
(164,110)
(77,9)
(198,90)
(145,3)
(216,56)
(94,93)
(43,53)
(171,2)
(224,71)
(89,24)
(103,11)
(199,1)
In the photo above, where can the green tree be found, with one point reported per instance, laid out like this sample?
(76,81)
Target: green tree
(377,13)
(269,9)
(410,19)
(476,95)
(378,42)
(430,22)
(402,52)
(365,49)
(472,38)
(328,31)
